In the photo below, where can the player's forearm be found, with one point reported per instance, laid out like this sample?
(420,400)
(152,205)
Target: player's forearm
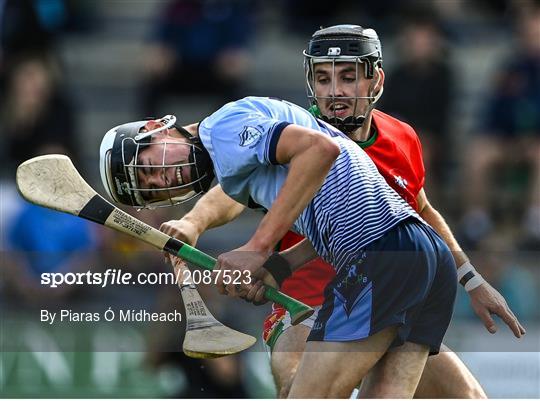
(299,254)
(307,172)
(214,209)
(436,220)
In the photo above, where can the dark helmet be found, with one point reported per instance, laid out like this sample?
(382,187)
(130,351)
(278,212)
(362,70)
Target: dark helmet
(118,165)
(344,43)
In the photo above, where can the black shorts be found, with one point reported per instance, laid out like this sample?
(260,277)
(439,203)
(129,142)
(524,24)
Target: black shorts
(407,279)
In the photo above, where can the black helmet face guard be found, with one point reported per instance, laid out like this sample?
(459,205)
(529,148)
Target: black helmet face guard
(344,44)
(121,167)
(349,123)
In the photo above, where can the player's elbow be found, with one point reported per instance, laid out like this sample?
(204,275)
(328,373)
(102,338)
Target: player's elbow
(327,150)
(333,150)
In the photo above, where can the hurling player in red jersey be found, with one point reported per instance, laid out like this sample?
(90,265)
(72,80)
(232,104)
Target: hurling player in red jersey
(333,71)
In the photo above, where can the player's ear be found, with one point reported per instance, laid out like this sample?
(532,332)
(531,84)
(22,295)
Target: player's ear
(152,125)
(379,77)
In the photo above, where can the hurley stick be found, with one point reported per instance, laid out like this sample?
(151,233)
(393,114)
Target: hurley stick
(54,182)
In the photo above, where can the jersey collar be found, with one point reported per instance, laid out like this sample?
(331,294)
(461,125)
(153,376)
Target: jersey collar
(372,138)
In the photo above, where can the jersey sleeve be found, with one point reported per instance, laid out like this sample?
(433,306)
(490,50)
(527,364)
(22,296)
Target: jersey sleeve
(418,162)
(239,142)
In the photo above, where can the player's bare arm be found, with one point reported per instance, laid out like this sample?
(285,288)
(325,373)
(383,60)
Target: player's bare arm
(212,210)
(299,254)
(310,156)
(485,299)
(436,220)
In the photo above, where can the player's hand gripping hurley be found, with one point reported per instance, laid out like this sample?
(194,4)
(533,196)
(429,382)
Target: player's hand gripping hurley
(53,181)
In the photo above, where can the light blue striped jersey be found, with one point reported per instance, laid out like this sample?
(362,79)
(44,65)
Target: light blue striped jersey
(355,205)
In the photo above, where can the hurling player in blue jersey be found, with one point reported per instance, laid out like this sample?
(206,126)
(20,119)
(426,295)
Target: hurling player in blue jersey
(393,294)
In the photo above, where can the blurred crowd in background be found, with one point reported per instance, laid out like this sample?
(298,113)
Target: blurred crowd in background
(465,74)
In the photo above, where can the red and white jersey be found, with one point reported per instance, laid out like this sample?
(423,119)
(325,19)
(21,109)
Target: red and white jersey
(396,151)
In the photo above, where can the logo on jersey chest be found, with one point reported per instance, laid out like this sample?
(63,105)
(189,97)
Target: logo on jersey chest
(250,136)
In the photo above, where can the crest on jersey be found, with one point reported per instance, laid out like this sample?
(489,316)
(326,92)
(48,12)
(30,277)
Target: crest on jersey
(250,136)
(400,181)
